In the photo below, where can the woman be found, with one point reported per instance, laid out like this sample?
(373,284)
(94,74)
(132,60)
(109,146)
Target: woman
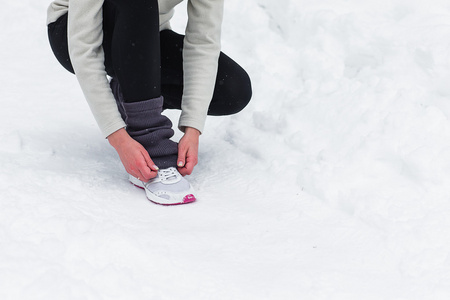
(152,68)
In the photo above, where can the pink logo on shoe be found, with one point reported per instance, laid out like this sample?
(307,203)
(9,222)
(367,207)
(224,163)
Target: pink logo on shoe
(189,198)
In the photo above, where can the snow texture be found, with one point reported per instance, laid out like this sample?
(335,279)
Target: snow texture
(334,183)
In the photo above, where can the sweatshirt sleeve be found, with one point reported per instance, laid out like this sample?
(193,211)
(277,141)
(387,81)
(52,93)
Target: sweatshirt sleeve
(200,60)
(85,38)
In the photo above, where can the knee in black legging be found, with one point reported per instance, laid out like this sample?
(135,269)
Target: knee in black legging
(233,89)
(242,88)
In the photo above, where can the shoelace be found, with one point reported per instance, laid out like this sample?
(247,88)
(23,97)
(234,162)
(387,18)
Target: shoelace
(168,174)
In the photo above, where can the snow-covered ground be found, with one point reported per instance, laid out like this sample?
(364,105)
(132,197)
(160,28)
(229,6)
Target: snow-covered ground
(334,183)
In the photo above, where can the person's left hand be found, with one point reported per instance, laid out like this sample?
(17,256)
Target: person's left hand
(188,151)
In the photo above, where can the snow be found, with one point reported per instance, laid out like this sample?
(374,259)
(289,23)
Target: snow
(334,183)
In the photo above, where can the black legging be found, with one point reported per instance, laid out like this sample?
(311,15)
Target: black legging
(135,50)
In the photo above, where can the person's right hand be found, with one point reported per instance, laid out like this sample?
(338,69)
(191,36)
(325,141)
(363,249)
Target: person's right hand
(133,155)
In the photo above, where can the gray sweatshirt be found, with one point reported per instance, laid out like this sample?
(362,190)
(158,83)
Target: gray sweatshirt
(200,55)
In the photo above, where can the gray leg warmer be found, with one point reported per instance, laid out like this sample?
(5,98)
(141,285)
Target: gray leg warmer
(149,127)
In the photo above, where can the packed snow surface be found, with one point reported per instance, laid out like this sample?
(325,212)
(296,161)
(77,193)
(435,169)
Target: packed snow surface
(334,183)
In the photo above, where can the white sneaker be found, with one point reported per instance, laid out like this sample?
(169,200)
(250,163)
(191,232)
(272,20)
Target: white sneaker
(167,188)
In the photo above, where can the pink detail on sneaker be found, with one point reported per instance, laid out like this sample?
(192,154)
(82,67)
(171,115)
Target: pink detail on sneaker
(189,198)
(138,186)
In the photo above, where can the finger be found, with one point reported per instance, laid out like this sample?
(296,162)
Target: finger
(191,161)
(134,173)
(149,161)
(182,151)
(189,167)
(137,174)
(183,171)
(147,176)
(192,157)
(144,170)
